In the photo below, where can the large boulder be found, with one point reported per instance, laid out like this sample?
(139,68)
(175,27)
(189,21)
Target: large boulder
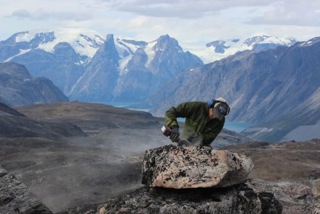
(193,167)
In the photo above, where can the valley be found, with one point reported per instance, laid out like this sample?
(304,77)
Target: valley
(67,171)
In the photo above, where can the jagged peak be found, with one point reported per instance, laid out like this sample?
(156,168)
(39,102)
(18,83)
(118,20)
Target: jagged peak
(165,42)
(110,37)
(166,37)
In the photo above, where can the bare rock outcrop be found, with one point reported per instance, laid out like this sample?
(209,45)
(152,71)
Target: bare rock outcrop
(193,180)
(236,199)
(15,197)
(193,167)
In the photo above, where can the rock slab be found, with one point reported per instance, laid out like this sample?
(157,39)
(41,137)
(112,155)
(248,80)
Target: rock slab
(236,199)
(15,197)
(193,167)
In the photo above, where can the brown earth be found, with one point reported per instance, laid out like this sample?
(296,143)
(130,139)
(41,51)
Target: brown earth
(290,170)
(285,161)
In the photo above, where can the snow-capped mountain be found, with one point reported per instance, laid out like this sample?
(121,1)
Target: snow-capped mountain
(220,49)
(86,66)
(89,67)
(84,43)
(128,70)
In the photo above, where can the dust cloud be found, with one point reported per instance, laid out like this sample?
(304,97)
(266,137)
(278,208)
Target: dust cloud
(81,170)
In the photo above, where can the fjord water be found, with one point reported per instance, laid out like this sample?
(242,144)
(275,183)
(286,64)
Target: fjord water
(236,126)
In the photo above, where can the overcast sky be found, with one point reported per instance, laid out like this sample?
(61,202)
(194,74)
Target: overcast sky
(189,21)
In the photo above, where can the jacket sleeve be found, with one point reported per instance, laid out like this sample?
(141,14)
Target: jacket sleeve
(182,110)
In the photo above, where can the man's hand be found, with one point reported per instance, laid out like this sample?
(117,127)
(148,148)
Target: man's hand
(174,136)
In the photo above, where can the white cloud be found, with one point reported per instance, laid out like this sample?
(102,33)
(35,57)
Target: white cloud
(186,20)
(55,15)
(299,13)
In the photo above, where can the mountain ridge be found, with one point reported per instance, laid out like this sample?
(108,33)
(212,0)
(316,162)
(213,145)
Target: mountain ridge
(87,42)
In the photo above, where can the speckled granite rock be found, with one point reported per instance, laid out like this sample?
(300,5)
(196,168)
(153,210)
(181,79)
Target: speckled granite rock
(193,167)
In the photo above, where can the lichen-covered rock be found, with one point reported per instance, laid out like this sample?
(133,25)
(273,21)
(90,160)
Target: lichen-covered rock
(15,197)
(236,199)
(193,167)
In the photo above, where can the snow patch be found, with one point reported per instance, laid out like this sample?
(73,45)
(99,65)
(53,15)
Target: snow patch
(20,53)
(209,54)
(150,51)
(25,36)
(123,64)
(78,39)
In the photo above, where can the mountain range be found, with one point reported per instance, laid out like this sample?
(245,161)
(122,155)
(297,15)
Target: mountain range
(88,67)
(120,69)
(264,78)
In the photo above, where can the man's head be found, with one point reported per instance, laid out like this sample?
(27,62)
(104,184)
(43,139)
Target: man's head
(218,108)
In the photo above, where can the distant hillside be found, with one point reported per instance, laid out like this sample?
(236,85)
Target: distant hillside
(95,118)
(18,87)
(14,124)
(90,116)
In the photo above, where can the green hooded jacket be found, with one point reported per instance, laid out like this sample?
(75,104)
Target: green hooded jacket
(198,125)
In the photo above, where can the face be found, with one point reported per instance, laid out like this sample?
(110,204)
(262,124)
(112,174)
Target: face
(211,113)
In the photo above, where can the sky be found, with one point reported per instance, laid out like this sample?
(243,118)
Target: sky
(188,21)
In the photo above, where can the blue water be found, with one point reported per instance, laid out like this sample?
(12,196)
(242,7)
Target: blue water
(236,126)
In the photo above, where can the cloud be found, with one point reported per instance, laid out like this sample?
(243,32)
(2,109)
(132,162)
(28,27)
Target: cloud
(21,14)
(45,15)
(186,20)
(299,13)
(181,8)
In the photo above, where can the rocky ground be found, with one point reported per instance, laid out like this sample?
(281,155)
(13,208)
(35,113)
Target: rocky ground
(80,171)
(73,171)
(290,170)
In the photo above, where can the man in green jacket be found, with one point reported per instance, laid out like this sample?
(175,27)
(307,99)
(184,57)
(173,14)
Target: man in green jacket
(203,120)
